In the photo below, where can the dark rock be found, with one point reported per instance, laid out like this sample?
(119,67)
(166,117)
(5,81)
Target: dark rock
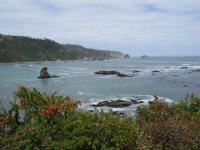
(174,75)
(136,71)
(151,102)
(184,68)
(185,85)
(44,74)
(113,103)
(107,72)
(145,56)
(123,75)
(54,76)
(155,71)
(112,73)
(196,70)
(136,101)
(127,56)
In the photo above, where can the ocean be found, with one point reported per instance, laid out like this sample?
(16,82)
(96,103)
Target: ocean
(176,78)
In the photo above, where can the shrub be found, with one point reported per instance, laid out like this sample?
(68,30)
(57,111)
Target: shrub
(171,126)
(53,122)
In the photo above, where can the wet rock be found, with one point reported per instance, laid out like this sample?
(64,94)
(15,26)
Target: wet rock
(107,72)
(136,71)
(44,74)
(174,75)
(123,75)
(155,71)
(113,103)
(184,68)
(137,101)
(196,70)
(112,73)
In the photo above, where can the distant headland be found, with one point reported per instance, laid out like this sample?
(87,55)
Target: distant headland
(27,49)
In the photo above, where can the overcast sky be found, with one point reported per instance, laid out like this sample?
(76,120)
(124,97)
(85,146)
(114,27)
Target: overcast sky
(137,27)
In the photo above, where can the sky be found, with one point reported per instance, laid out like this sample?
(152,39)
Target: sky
(136,27)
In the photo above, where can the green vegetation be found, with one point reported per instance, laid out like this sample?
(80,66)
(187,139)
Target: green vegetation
(53,122)
(23,49)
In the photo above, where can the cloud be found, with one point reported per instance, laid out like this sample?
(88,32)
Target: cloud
(148,26)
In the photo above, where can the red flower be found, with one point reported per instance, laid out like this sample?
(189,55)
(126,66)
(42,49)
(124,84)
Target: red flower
(22,103)
(43,113)
(50,111)
(68,98)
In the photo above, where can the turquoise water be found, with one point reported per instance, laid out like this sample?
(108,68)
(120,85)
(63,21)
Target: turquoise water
(79,81)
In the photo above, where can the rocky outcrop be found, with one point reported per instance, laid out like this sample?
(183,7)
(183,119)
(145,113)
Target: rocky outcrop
(183,67)
(113,103)
(145,57)
(118,103)
(44,74)
(112,73)
(137,101)
(136,71)
(127,56)
(196,70)
(155,71)
(107,72)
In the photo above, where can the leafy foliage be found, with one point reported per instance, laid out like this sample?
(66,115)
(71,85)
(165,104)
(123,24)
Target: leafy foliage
(172,126)
(52,122)
(47,121)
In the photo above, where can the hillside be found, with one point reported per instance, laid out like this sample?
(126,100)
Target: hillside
(23,49)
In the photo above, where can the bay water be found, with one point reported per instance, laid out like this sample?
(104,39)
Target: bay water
(177,76)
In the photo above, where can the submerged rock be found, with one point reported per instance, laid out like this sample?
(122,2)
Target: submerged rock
(44,74)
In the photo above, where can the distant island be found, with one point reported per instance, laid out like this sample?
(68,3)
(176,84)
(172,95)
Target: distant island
(27,49)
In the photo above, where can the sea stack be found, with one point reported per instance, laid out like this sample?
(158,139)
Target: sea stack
(44,74)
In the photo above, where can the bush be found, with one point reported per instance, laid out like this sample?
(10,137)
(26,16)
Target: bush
(39,120)
(53,122)
(171,126)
